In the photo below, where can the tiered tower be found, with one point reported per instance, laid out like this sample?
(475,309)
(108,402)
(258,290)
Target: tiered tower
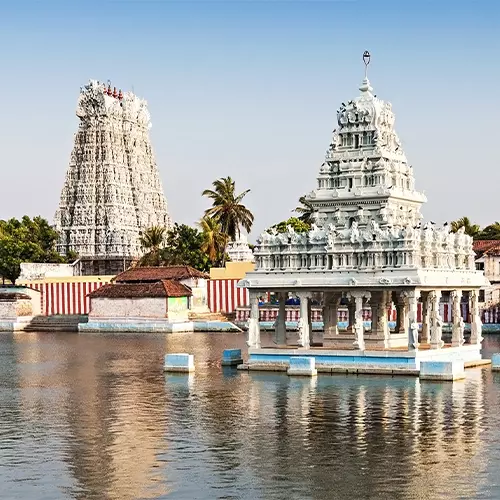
(112,190)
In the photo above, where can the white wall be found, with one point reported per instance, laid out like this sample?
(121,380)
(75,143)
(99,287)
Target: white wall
(122,308)
(492,272)
(36,270)
(199,300)
(16,308)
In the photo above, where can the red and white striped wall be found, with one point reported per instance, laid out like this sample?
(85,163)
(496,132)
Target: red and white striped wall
(66,297)
(225,296)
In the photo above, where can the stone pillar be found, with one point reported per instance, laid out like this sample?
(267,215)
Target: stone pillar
(457,336)
(436,322)
(330,313)
(309,319)
(380,320)
(426,331)
(402,313)
(475,318)
(412,330)
(351,308)
(253,321)
(358,297)
(280,324)
(304,320)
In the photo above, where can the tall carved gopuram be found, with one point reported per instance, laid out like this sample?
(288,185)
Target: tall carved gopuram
(112,190)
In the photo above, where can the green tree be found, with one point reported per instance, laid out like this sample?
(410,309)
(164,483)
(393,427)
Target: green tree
(227,209)
(306,210)
(184,247)
(26,240)
(214,240)
(491,232)
(470,229)
(298,225)
(152,241)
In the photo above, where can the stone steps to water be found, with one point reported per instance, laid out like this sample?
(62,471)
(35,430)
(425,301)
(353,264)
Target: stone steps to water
(56,323)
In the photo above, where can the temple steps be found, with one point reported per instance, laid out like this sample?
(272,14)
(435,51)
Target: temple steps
(56,323)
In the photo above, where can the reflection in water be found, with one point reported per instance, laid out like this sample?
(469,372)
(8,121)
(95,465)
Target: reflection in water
(95,417)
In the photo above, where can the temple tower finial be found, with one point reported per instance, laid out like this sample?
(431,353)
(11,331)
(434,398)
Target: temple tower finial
(366,60)
(365,86)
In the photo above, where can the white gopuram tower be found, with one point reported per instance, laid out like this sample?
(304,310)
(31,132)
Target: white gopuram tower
(112,190)
(368,246)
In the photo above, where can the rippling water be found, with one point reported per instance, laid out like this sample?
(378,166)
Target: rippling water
(94,417)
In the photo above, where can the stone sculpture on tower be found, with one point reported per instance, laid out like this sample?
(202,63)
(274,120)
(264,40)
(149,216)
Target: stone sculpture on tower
(112,190)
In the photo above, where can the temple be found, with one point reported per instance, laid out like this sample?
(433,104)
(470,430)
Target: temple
(112,190)
(367,248)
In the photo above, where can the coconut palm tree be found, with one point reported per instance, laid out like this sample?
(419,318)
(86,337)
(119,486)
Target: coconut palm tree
(152,241)
(470,229)
(214,241)
(228,210)
(306,211)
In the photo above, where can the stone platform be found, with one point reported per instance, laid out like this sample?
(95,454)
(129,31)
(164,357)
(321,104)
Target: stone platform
(381,361)
(141,325)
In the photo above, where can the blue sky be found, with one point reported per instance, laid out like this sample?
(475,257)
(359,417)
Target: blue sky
(249,89)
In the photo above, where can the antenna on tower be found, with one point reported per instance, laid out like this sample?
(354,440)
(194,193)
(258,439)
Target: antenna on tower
(366,60)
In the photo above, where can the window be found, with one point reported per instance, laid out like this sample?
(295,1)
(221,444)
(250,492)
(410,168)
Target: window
(481,296)
(350,182)
(356,141)
(479,266)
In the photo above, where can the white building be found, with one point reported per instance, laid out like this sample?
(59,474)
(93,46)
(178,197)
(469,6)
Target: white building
(368,245)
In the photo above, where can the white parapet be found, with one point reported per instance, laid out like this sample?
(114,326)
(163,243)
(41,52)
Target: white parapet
(302,365)
(495,362)
(442,370)
(179,362)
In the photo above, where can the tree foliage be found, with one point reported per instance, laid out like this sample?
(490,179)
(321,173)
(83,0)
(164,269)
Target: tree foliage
(214,240)
(298,225)
(305,210)
(152,241)
(491,232)
(228,210)
(27,240)
(470,229)
(184,247)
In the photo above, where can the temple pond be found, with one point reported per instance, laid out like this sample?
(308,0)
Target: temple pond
(94,417)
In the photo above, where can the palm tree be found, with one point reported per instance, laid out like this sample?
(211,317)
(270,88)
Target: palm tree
(470,229)
(228,210)
(152,241)
(214,241)
(306,211)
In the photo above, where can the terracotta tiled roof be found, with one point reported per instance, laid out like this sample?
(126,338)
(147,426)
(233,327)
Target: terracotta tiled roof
(145,274)
(164,288)
(491,247)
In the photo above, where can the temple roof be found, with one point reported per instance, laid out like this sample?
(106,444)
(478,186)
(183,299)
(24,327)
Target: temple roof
(146,274)
(163,288)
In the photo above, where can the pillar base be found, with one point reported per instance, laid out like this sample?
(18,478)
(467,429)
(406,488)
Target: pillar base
(302,366)
(179,362)
(495,362)
(231,357)
(442,370)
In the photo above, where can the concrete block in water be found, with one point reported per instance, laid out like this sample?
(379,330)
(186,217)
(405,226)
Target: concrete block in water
(442,370)
(301,365)
(179,362)
(231,357)
(495,362)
